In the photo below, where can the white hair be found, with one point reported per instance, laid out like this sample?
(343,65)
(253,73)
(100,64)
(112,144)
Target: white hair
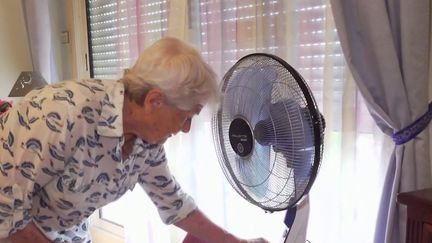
(177,69)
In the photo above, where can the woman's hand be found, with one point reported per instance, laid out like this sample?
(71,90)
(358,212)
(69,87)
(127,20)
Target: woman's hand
(257,240)
(229,239)
(202,230)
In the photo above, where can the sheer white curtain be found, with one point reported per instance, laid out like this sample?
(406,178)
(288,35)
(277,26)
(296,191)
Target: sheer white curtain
(345,195)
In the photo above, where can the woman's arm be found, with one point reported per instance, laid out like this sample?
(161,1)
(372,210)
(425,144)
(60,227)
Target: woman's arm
(203,228)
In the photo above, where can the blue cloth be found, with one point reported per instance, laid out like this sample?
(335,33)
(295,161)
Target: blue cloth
(412,130)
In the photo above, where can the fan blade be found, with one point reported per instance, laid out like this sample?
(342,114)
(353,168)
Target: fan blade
(288,127)
(242,97)
(247,97)
(289,130)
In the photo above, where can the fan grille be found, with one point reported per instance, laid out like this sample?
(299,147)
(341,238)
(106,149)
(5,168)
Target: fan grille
(276,103)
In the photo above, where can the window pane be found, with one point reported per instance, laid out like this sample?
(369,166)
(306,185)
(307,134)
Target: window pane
(119,30)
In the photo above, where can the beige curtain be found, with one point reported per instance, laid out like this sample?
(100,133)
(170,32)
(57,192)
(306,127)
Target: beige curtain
(387,44)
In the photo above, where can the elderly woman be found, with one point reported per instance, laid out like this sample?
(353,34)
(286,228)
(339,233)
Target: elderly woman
(72,147)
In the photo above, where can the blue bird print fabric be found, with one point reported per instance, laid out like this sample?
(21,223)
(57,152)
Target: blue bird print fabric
(60,160)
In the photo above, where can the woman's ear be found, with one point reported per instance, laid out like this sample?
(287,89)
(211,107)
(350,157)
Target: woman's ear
(154,98)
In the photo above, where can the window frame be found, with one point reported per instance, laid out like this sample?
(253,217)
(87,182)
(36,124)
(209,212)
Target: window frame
(102,230)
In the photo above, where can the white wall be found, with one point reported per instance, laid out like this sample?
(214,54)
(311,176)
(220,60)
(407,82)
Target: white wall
(14,50)
(15,54)
(58,16)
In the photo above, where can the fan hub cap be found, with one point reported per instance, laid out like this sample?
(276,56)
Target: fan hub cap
(241,137)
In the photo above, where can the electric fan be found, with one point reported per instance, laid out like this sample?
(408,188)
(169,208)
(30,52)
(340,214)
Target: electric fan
(268,134)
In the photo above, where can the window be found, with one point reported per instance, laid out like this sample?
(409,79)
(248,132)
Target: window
(303,33)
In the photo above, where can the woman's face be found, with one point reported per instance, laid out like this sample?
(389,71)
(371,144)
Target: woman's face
(169,120)
(157,120)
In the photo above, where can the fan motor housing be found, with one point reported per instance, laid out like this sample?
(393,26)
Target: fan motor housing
(241,137)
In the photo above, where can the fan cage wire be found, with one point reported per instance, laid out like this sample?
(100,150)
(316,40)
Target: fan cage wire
(275,194)
(221,146)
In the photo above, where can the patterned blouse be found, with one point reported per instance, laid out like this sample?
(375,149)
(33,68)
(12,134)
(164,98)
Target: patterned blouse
(61,159)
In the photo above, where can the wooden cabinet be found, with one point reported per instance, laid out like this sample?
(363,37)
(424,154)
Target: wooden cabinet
(419,220)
